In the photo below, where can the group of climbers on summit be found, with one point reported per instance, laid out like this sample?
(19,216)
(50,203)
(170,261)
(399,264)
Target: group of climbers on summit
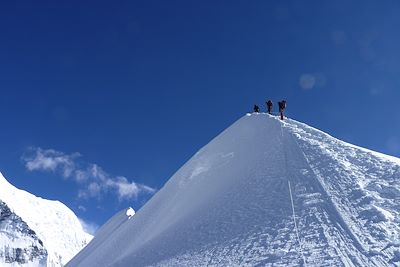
(269,104)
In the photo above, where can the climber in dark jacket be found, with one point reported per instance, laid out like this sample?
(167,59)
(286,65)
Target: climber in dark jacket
(282,107)
(269,106)
(256,109)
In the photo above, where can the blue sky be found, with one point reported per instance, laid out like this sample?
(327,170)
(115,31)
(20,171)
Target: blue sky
(102,102)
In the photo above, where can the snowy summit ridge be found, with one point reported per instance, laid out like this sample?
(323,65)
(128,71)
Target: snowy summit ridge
(35,231)
(264,192)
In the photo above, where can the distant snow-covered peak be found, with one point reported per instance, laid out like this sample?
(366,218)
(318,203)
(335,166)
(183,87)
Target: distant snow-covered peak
(3,181)
(54,224)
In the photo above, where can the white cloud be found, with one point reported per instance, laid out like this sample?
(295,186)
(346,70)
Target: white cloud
(50,160)
(97,172)
(88,227)
(81,176)
(82,208)
(126,189)
(147,189)
(91,178)
(94,189)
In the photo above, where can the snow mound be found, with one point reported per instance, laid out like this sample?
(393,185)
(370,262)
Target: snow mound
(130,212)
(264,192)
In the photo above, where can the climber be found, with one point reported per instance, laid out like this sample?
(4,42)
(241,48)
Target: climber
(256,109)
(282,106)
(269,106)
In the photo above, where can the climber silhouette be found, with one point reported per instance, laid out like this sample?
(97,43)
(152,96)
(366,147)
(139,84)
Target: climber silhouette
(282,107)
(269,106)
(256,109)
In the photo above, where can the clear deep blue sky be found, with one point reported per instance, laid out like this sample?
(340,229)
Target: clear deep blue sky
(137,87)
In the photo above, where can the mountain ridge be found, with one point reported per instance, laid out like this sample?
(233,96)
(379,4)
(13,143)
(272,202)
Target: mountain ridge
(265,192)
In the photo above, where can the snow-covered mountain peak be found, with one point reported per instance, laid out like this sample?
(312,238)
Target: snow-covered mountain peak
(50,223)
(3,181)
(264,192)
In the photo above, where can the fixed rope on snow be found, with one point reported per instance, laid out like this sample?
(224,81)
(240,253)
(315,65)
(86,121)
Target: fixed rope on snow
(295,224)
(292,203)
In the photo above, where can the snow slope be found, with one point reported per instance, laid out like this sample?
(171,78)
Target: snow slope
(36,231)
(265,193)
(112,225)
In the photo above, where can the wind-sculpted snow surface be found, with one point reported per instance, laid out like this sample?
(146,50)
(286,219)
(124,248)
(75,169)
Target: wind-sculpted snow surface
(364,187)
(36,232)
(265,193)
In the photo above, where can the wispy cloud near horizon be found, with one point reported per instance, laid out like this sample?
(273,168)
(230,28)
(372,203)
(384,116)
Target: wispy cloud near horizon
(89,227)
(91,178)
